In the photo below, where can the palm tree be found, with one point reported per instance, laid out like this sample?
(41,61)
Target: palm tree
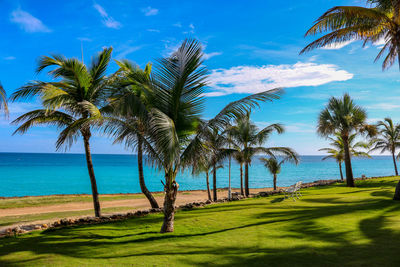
(3,100)
(369,24)
(337,150)
(239,157)
(130,102)
(247,135)
(175,126)
(344,117)
(70,103)
(389,139)
(274,165)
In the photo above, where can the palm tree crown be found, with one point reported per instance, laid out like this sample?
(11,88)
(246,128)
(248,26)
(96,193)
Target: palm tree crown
(369,24)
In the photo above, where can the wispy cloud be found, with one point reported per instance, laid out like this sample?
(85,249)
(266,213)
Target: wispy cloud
(125,50)
(84,39)
(383,106)
(178,25)
(9,58)
(149,11)
(210,55)
(27,22)
(153,30)
(336,46)
(255,79)
(108,21)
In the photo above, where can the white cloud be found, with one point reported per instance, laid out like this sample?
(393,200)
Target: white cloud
(27,22)
(255,79)
(84,39)
(149,11)
(9,58)
(153,30)
(178,24)
(336,46)
(210,55)
(383,106)
(108,21)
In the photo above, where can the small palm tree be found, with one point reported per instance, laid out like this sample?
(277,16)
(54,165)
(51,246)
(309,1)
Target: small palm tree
(79,95)
(389,139)
(369,24)
(274,165)
(130,98)
(344,117)
(247,135)
(337,150)
(3,100)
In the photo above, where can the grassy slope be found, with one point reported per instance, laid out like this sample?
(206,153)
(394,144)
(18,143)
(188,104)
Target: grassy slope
(330,226)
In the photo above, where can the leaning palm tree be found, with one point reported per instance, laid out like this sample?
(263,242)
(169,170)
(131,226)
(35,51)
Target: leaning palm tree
(343,116)
(70,103)
(247,135)
(176,130)
(3,100)
(274,165)
(129,99)
(336,151)
(389,139)
(380,22)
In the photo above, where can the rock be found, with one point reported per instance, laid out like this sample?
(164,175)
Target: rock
(45,226)
(38,227)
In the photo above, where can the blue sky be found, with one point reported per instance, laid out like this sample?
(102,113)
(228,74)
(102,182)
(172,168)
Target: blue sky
(249,48)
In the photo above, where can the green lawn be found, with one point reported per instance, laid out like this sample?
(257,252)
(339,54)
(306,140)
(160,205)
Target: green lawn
(329,226)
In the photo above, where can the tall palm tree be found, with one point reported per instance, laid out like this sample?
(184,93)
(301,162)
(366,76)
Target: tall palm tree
(247,135)
(3,100)
(79,95)
(129,99)
(379,22)
(343,116)
(389,139)
(175,125)
(274,165)
(336,151)
(239,157)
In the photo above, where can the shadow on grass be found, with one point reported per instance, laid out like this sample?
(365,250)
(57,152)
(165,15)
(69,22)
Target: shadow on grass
(98,241)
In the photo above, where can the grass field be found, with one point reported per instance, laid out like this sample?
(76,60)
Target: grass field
(329,226)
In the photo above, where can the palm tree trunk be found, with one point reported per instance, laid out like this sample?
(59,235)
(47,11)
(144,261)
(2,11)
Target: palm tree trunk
(229,183)
(274,181)
(241,179)
(95,193)
(215,182)
(397,192)
(340,169)
(395,165)
(246,179)
(143,186)
(171,190)
(347,162)
(208,186)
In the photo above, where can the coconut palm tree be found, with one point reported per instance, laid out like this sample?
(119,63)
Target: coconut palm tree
(343,116)
(239,157)
(251,141)
(130,98)
(70,103)
(379,22)
(3,100)
(389,139)
(175,126)
(274,165)
(337,150)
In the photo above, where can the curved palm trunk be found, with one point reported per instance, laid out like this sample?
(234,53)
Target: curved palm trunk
(95,193)
(215,183)
(208,186)
(341,172)
(171,190)
(246,179)
(274,181)
(241,179)
(347,162)
(394,163)
(143,186)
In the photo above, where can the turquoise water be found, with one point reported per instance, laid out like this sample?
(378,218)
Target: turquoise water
(24,174)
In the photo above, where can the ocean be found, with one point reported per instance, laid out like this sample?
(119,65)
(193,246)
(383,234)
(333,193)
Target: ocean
(33,174)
